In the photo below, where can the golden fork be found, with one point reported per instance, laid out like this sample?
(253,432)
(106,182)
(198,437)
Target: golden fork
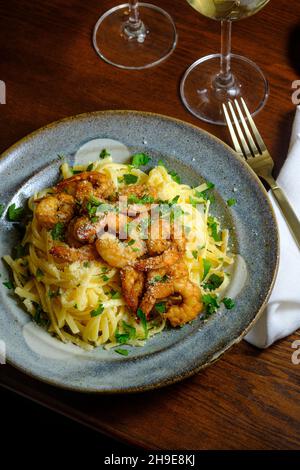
(248,143)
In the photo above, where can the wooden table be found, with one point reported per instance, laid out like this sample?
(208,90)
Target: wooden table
(250,398)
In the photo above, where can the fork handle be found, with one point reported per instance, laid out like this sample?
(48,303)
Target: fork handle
(286,209)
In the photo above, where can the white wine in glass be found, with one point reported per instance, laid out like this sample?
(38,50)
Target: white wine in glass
(217,78)
(135,35)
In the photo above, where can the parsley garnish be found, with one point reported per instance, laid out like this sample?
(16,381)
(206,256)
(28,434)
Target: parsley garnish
(14,213)
(86,264)
(39,273)
(54,293)
(159,278)
(228,302)
(143,319)
(97,311)
(104,153)
(206,267)
(231,202)
(129,333)
(175,177)
(160,307)
(131,242)
(140,159)
(57,233)
(195,254)
(39,316)
(115,294)
(214,281)
(105,278)
(212,224)
(8,284)
(19,251)
(123,352)
(130,179)
(211,304)
(90,167)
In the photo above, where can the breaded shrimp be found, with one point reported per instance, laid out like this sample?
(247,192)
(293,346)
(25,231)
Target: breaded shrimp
(54,209)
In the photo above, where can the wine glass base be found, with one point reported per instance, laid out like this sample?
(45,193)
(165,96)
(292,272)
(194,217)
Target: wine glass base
(116,42)
(204,99)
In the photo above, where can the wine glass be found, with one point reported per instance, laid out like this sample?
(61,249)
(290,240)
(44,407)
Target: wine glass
(217,78)
(135,35)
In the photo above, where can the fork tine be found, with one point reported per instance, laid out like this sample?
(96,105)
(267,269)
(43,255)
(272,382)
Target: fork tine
(255,149)
(256,133)
(232,132)
(246,150)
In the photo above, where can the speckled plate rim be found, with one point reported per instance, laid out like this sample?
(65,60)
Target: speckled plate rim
(192,371)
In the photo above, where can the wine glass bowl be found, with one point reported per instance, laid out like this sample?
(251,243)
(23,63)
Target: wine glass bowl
(135,35)
(217,78)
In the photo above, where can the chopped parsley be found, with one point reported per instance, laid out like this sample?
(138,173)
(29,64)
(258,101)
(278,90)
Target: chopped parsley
(104,153)
(58,231)
(40,316)
(54,293)
(130,179)
(175,177)
(211,304)
(142,317)
(133,199)
(214,281)
(228,302)
(129,333)
(195,254)
(140,159)
(215,233)
(123,352)
(205,194)
(131,242)
(160,307)
(159,278)
(90,167)
(14,213)
(8,284)
(206,267)
(19,251)
(231,202)
(105,278)
(115,294)
(39,273)
(97,311)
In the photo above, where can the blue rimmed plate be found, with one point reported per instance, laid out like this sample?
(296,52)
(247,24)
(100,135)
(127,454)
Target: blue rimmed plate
(32,164)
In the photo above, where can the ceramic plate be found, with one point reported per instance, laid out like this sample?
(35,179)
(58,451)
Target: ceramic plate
(32,164)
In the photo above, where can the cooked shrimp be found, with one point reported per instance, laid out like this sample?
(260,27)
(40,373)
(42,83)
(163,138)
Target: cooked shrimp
(190,306)
(66,254)
(138,190)
(174,282)
(81,231)
(55,208)
(132,286)
(87,184)
(118,253)
(160,284)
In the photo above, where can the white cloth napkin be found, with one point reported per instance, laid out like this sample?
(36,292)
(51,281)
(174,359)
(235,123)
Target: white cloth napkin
(282,315)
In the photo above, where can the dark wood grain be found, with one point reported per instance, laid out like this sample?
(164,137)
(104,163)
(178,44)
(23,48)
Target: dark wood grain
(249,399)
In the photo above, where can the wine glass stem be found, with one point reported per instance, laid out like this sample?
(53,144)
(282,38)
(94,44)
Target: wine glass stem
(134,16)
(134,28)
(225,78)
